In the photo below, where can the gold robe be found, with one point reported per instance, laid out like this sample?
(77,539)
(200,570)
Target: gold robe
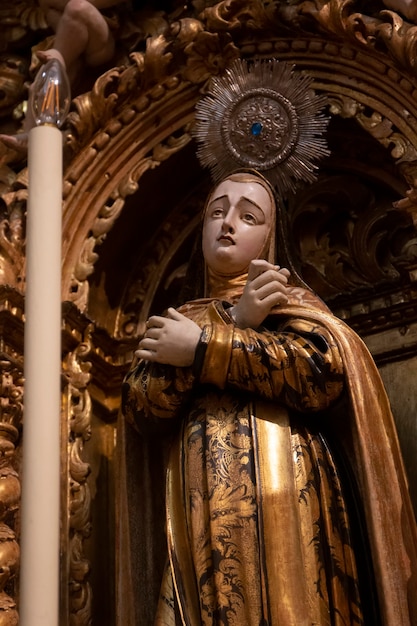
(262,521)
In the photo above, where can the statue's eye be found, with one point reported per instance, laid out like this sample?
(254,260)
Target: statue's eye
(249,217)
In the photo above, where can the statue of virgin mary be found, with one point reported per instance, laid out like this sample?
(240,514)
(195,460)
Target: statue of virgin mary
(285,499)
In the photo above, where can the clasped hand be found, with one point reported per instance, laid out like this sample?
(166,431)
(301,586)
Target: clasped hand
(171,340)
(266,287)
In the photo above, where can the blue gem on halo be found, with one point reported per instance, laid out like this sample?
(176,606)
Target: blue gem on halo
(256,129)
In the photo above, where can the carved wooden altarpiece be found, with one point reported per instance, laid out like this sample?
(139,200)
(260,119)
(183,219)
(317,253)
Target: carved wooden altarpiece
(132,196)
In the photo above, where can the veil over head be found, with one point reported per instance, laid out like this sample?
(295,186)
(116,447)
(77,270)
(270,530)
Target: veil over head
(227,285)
(200,282)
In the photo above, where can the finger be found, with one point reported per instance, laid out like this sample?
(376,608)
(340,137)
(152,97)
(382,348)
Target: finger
(154,332)
(145,355)
(274,299)
(148,343)
(282,276)
(285,272)
(270,288)
(156,321)
(269,276)
(174,314)
(258,267)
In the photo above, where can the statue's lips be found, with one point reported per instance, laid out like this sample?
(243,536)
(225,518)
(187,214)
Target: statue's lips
(226,238)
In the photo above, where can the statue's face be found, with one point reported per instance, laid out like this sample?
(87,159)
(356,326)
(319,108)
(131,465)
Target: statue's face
(236,226)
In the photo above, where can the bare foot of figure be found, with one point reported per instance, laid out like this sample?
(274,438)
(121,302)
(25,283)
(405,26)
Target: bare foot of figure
(47,55)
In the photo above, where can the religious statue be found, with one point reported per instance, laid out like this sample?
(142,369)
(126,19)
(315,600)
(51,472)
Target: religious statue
(285,499)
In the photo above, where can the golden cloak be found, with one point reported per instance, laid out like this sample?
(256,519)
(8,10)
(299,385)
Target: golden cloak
(259,514)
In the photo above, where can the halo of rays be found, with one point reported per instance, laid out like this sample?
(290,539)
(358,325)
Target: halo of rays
(264,116)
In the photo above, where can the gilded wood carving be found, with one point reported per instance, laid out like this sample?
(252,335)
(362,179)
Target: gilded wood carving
(133,119)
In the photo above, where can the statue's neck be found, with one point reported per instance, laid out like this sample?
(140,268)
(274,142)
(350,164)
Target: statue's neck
(222,287)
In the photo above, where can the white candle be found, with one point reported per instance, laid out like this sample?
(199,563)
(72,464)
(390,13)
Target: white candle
(40,507)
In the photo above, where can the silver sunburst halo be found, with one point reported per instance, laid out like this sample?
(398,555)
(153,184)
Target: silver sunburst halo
(264,116)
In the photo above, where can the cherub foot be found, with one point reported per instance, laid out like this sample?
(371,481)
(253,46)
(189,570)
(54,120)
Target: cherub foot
(47,55)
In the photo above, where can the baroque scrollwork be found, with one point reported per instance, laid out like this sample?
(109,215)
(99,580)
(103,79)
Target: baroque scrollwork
(206,41)
(13,70)
(19,19)
(349,237)
(152,273)
(347,241)
(12,238)
(386,29)
(11,410)
(399,37)
(151,73)
(403,152)
(78,401)
(238,14)
(111,210)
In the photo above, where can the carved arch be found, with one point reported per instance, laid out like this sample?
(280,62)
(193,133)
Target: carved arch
(151,126)
(136,122)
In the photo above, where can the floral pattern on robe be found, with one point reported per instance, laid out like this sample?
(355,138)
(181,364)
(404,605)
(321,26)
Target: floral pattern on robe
(263,511)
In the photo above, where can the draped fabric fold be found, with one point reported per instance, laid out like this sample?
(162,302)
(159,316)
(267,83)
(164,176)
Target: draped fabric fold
(380,474)
(279,520)
(259,529)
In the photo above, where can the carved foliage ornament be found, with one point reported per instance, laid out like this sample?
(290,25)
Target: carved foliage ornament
(263,116)
(77,375)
